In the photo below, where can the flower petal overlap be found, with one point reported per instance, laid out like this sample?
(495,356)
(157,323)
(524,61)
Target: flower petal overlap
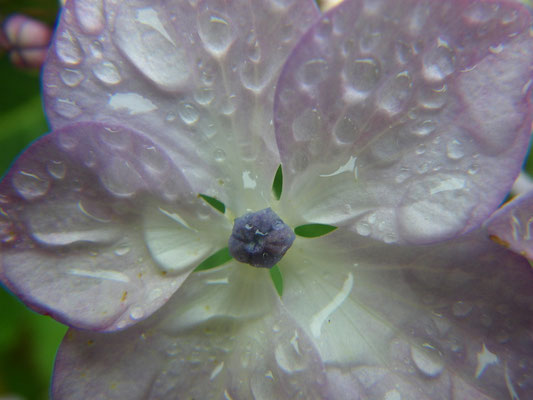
(196,76)
(391,115)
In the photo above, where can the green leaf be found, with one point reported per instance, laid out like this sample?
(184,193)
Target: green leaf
(313,230)
(275,274)
(220,257)
(277,185)
(216,204)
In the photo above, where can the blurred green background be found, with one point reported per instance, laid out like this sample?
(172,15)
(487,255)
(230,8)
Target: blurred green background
(28,341)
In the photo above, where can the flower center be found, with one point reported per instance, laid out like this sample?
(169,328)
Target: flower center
(260,238)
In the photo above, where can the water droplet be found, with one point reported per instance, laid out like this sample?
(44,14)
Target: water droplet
(7,233)
(395,93)
(188,113)
(424,128)
(107,73)
(369,41)
(253,49)
(461,308)
(479,13)
(120,178)
(215,32)
(423,167)
(420,149)
(67,108)
(30,185)
(229,106)
(141,37)
(57,169)
(121,250)
(71,77)
(427,359)
(155,294)
(363,228)
(204,96)
(153,159)
(288,358)
(90,16)
(439,62)
(171,117)
(403,52)
(361,76)
(96,49)
(136,313)
(432,99)
(68,48)
(454,150)
(219,155)
(473,169)
(255,76)
(346,130)
(312,72)
(90,159)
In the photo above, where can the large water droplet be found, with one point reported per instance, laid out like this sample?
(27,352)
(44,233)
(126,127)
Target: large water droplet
(68,48)
(395,93)
(71,77)
(288,358)
(424,128)
(67,108)
(89,14)
(29,185)
(136,312)
(215,32)
(361,76)
(152,158)
(312,72)
(439,62)
(255,76)
(141,37)
(363,228)
(432,99)
(57,169)
(427,359)
(107,73)
(204,96)
(188,113)
(454,150)
(346,130)
(120,178)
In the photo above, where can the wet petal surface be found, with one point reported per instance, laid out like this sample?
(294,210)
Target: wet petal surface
(73,240)
(198,77)
(390,117)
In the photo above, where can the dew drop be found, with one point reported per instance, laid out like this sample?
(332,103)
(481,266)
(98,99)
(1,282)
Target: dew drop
(107,73)
(420,149)
(204,96)
(219,155)
(427,359)
(403,52)
(392,395)
(312,72)
(253,49)
(188,113)
(96,49)
(68,48)
(473,169)
(432,99)
(288,359)
(90,16)
(136,313)
(393,96)
(438,63)
(255,76)
(454,150)
(155,294)
(369,41)
(152,158)
(29,185)
(71,77)
(346,130)
(424,128)
(7,233)
(56,169)
(121,250)
(362,76)
(67,108)
(171,117)
(215,32)
(363,228)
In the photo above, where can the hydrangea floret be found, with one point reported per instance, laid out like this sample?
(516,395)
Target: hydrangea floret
(338,171)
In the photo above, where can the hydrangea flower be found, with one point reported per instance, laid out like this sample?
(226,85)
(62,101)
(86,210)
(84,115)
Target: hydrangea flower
(396,127)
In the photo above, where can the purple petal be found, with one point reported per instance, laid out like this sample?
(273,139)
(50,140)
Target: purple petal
(198,77)
(445,321)
(391,116)
(77,226)
(511,225)
(263,358)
